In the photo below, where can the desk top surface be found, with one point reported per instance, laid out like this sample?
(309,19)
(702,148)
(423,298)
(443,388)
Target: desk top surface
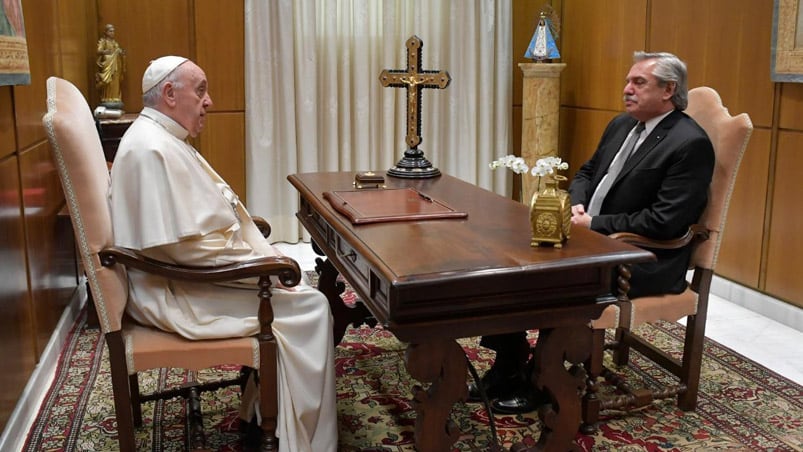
(486,254)
(494,236)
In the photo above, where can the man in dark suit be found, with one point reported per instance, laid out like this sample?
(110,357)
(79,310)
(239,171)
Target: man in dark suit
(663,187)
(656,188)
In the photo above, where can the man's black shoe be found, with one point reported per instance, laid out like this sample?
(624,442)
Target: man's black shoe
(524,401)
(496,384)
(516,404)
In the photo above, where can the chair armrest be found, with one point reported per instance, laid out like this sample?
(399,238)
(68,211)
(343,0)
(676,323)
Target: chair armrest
(285,268)
(695,232)
(262,225)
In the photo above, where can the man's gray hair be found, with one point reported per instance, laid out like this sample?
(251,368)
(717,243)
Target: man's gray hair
(151,97)
(669,68)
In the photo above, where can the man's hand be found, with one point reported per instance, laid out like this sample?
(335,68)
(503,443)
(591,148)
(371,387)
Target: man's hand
(580,217)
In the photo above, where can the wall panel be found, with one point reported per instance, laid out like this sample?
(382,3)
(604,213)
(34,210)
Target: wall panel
(791,106)
(740,252)
(76,22)
(51,261)
(725,46)
(16,330)
(598,39)
(220,51)
(785,256)
(580,131)
(223,145)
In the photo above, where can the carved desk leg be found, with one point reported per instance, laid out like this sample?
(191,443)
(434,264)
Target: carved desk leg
(562,417)
(594,367)
(343,314)
(443,364)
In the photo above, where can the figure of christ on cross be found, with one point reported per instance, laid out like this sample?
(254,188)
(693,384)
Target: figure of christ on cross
(414,79)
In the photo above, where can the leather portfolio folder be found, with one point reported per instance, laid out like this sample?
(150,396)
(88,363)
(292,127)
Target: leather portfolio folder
(396,204)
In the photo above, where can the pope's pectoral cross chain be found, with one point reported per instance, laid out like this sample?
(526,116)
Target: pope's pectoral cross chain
(415,80)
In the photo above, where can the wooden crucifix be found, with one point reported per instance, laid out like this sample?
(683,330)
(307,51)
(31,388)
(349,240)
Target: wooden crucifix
(414,79)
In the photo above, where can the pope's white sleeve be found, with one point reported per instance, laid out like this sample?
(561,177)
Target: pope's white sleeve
(213,249)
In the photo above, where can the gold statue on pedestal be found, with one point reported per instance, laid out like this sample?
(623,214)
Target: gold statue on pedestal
(111,67)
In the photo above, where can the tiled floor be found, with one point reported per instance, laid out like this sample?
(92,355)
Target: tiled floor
(753,335)
(763,340)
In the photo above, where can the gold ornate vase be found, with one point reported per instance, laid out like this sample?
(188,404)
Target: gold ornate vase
(550,213)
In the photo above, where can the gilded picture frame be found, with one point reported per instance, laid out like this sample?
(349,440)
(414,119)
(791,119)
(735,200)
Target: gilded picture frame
(787,41)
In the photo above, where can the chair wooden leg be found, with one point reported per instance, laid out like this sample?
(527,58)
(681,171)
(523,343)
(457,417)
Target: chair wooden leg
(268,395)
(122,396)
(195,421)
(591,402)
(136,402)
(621,354)
(692,362)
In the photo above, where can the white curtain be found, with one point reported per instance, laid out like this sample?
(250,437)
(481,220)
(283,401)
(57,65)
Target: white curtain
(315,103)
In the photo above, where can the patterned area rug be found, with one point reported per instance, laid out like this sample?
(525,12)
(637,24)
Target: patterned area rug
(742,406)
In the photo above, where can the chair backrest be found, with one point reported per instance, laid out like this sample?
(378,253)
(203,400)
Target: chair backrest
(78,155)
(729,135)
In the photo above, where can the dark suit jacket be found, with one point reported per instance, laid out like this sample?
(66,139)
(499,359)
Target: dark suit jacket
(661,191)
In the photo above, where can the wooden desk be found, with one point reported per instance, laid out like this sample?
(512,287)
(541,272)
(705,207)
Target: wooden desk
(431,282)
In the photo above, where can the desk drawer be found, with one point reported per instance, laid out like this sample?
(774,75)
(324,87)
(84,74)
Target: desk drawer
(352,265)
(364,278)
(316,225)
(356,265)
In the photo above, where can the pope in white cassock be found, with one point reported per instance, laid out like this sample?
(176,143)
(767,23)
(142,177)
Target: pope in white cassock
(167,201)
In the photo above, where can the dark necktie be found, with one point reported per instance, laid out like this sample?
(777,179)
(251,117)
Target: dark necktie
(613,171)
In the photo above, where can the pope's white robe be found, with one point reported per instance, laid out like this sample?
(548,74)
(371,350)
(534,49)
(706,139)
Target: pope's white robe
(167,201)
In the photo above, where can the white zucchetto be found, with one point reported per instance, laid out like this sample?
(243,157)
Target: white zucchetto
(158,69)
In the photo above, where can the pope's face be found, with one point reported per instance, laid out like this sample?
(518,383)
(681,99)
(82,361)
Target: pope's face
(192,98)
(644,98)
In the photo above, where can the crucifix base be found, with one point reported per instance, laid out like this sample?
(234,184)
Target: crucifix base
(414,166)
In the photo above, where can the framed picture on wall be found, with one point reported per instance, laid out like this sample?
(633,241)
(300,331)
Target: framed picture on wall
(14,69)
(787,41)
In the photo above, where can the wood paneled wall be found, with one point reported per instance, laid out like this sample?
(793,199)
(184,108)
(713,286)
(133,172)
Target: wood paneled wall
(726,45)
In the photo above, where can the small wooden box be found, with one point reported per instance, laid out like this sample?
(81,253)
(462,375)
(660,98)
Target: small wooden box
(369,179)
